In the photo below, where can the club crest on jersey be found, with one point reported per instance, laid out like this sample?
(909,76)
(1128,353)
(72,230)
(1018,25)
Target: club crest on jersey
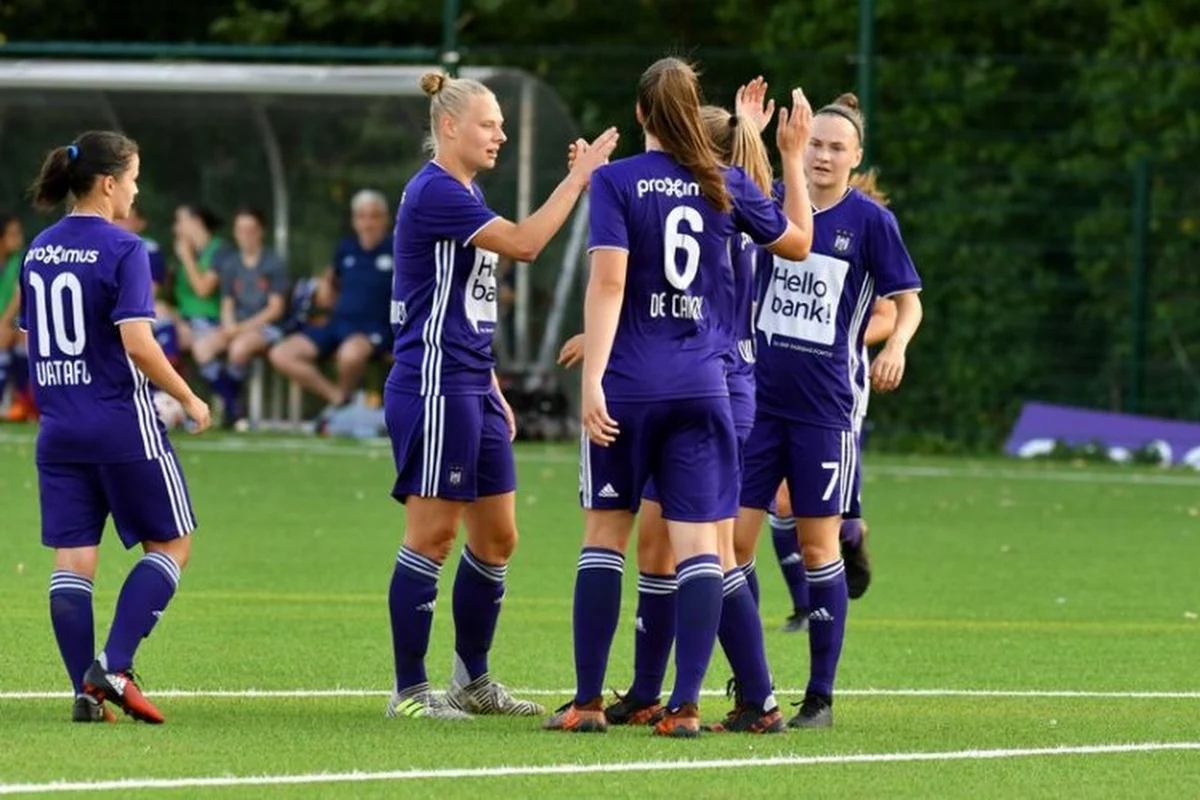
(842,239)
(455,476)
(384,263)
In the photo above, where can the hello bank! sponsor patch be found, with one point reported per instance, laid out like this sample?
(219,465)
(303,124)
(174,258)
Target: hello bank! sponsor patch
(802,299)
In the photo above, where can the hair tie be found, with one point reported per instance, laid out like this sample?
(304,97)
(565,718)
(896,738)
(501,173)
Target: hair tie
(733,120)
(72,152)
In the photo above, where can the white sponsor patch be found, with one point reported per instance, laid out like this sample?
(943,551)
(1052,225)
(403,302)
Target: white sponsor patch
(480,296)
(802,299)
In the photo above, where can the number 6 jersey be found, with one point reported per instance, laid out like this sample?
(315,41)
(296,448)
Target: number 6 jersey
(82,277)
(443,288)
(674,335)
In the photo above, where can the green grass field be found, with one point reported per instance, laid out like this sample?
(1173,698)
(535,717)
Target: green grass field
(1032,632)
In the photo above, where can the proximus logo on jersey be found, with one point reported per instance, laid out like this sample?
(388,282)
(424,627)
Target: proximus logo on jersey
(480,299)
(671,187)
(57,254)
(802,299)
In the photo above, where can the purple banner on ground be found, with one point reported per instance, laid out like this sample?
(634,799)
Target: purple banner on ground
(1041,425)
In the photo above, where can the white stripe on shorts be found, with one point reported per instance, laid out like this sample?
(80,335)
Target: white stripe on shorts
(585,470)
(433,444)
(176,498)
(846,482)
(183,502)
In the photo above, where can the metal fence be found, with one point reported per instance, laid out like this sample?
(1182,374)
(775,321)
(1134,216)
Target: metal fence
(1057,241)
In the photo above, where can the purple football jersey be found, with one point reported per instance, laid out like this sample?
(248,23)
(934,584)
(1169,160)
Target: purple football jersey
(444,289)
(673,339)
(746,257)
(812,314)
(82,277)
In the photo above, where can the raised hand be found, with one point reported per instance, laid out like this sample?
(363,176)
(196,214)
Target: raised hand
(752,106)
(584,158)
(791,135)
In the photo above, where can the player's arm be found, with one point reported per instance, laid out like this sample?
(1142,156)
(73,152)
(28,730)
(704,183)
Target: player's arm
(791,137)
(524,240)
(137,337)
(888,368)
(882,322)
(601,314)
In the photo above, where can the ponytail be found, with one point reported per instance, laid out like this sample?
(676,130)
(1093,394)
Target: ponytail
(53,183)
(70,171)
(865,182)
(669,99)
(738,144)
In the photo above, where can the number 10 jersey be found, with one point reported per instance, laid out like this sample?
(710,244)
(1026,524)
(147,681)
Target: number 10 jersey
(81,279)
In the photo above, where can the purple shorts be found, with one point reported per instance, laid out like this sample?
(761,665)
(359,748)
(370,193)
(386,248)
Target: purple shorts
(148,501)
(855,510)
(741,405)
(687,447)
(454,447)
(819,464)
(741,400)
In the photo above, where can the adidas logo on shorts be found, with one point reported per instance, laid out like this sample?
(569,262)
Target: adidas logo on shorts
(608,492)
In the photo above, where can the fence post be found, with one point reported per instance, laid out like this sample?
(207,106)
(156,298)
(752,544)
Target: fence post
(450,54)
(1139,273)
(866,70)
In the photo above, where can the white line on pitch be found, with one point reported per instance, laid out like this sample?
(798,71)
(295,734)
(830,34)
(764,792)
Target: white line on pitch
(128,784)
(301,693)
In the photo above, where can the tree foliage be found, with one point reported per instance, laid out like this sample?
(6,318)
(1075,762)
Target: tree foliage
(1008,135)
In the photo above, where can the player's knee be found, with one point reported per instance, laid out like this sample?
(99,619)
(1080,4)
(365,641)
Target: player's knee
(608,530)
(818,554)
(783,503)
(498,547)
(654,555)
(77,560)
(433,542)
(178,550)
(743,549)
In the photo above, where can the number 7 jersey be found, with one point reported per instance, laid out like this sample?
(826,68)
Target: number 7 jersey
(812,314)
(676,328)
(81,279)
